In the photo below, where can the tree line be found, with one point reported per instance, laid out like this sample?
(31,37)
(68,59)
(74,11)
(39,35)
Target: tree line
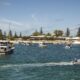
(9,35)
(56,33)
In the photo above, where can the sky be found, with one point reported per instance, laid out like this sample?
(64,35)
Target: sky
(26,16)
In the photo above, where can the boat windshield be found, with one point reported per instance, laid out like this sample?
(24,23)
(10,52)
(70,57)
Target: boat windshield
(4,43)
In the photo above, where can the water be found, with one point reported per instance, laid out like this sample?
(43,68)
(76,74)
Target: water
(35,63)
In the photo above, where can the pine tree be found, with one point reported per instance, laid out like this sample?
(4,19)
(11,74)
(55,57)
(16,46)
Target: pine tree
(67,32)
(1,35)
(41,31)
(20,35)
(15,35)
(78,33)
(10,36)
(4,35)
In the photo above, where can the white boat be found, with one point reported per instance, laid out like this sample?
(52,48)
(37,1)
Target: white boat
(67,47)
(76,61)
(6,47)
(42,45)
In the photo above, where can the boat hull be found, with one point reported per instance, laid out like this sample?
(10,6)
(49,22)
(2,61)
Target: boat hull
(7,52)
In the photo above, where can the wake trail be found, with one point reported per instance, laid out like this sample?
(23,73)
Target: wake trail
(37,64)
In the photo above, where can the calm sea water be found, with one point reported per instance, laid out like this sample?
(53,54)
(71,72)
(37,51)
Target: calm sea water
(35,63)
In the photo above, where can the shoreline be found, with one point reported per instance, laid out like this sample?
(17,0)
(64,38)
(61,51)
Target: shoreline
(45,41)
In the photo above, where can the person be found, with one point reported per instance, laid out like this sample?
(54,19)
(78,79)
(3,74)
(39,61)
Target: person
(75,60)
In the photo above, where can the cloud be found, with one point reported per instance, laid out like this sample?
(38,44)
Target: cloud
(25,28)
(11,22)
(14,25)
(38,21)
(35,19)
(29,26)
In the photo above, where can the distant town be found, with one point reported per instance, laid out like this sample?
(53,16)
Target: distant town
(57,36)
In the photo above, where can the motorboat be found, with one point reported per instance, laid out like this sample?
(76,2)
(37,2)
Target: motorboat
(6,47)
(68,46)
(42,45)
(76,61)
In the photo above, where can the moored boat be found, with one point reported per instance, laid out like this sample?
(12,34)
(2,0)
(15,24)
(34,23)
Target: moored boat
(42,45)
(67,47)
(6,47)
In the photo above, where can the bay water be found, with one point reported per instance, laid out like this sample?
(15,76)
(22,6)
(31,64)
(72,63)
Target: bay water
(35,63)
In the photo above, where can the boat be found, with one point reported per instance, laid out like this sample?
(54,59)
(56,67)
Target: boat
(42,45)
(6,47)
(76,61)
(68,46)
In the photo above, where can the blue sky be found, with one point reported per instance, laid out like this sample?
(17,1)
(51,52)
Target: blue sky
(28,15)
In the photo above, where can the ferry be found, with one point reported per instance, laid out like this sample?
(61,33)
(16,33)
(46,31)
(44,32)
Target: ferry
(6,47)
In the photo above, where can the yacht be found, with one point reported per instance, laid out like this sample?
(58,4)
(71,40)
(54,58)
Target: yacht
(6,47)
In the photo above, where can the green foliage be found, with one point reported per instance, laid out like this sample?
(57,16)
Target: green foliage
(48,34)
(10,36)
(1,35)
(4,35)
(20,35)
(78,33)
(36,33)
(15,35)
(58,33)
(67,32)
(41,31)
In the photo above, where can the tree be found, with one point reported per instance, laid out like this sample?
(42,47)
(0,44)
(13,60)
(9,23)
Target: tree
(78,33)
(58,33)
(67,32)
(1,35)
(4,35)
(15,35)
(41,31)
(10,36)
(48,34)
(36,33)
(20,35)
